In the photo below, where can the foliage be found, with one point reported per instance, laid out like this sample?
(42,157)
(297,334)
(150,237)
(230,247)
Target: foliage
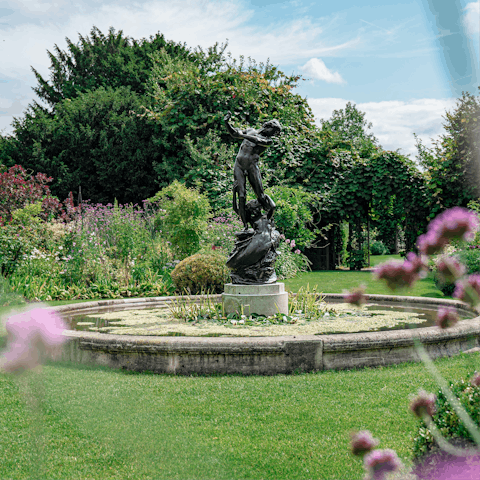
(18,189)
(220,233)
(377,247)
(201,273)
(210,169)
(452,165)
(108,251)
(92,141)
(192,97)
(446,419)
(290,261)
(350,125)
(294,213)
(101,61)
(182,217)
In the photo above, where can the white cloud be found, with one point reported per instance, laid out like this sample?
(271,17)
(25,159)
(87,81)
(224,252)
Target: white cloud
(316,69)
(472,18)
(394,122)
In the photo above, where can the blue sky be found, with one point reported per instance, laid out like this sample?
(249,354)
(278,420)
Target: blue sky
(403,63)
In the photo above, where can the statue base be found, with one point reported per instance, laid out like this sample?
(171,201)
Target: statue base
(267,299)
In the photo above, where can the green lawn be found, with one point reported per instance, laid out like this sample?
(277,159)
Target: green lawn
(102,424)
(96,423)
(339,280)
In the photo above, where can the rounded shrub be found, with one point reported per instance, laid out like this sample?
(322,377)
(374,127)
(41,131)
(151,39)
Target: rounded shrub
(201,273)
(377,247)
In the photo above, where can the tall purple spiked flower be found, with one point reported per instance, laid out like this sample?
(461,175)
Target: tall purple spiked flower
(31,336)
(398,274)
(450,269)
(356,296)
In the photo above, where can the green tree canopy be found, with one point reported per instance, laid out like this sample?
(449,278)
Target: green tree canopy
(452,165)
(99,60)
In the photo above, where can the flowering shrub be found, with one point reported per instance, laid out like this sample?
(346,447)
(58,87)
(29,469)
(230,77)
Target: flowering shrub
(19,189)
(290,262)
(220,233)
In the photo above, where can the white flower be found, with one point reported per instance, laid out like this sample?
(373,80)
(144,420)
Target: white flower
(233,322)
(60,248)
(242,321)
(326,314)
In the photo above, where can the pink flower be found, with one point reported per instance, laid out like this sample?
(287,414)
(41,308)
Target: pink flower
(423,403)
(292,243)
(396,274)
(468,289)
(287,240)
(380,462)
(454,223)
(362,442)
(31,335)
(442,466)
(356,296)
(446,317)
(297,251)
(416,265)
(450,269)
(475,381)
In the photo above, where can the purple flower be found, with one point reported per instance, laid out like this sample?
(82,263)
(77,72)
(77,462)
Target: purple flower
(454,223)
(442,466)
(446,317)
(468,289)
(423,403)
(379,462)
(450,269)
(475,381)
(396,274)
(416,265)
(356,296)
(31,335)
(362,442)
(430,243)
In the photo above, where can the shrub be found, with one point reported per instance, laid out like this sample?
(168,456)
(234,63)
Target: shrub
(220,233)
(447,420)
(201,273)
(182,217)
(290,262)
(377,247)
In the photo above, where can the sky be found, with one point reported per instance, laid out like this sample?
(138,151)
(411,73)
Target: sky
(401,62)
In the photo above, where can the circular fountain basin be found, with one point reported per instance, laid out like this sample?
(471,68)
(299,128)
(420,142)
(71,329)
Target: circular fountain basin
(265,354)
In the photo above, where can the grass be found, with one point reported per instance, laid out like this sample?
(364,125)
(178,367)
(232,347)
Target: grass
(339,280)
(104,424)
(80,422)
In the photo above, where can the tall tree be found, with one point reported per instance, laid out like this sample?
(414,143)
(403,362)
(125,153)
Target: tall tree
(350,124)
(452,164)
(99,60)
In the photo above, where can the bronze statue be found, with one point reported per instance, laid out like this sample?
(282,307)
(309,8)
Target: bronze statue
(253,258)
(255,142)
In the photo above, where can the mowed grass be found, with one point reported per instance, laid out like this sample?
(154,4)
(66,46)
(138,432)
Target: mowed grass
(80,422)
(339,280)
(96,423)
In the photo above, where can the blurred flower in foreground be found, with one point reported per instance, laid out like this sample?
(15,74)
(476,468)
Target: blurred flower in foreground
(379,462)
(31,336)
(423,404)
(468,289)
(446,317)
(455,223)
(355,296)
(440,466)
(363,442)
(398,274)
(475,381)
(450,269)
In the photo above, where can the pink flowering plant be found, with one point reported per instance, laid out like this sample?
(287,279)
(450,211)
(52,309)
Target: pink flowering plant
(451,408)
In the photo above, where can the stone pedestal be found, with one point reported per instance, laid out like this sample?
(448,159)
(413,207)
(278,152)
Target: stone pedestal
(267,299)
